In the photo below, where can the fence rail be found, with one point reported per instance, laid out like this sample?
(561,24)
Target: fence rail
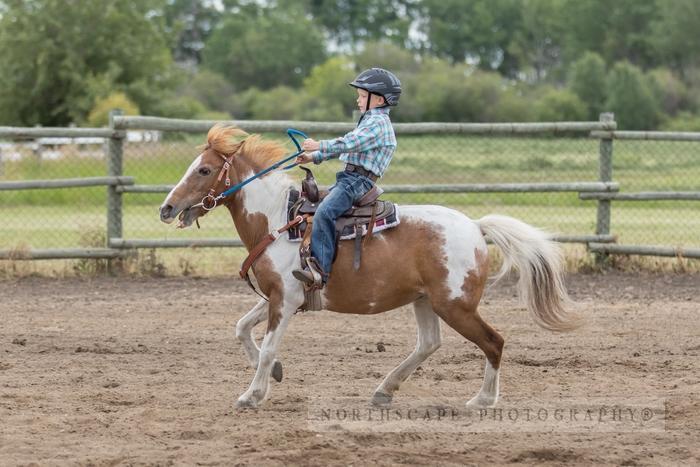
(66,183)
(202,126)
(604,191)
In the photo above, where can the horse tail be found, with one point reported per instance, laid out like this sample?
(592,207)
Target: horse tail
(539,261)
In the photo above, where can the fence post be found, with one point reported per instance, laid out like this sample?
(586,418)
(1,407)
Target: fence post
(605,175)
(115,148)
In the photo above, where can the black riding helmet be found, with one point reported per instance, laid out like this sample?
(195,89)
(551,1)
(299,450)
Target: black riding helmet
(381,82)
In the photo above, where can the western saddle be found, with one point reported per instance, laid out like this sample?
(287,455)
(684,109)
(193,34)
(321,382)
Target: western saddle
(368,215)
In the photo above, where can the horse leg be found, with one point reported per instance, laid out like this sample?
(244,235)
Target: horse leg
(466,321)
(279,315)
(428,341)
(244,329)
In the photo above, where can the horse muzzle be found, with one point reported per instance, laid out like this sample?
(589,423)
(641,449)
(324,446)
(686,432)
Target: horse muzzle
(167,213)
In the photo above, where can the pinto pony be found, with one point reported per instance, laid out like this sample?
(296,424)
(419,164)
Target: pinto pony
(436,259)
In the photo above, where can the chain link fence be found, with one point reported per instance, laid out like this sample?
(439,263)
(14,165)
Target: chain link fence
(77,217)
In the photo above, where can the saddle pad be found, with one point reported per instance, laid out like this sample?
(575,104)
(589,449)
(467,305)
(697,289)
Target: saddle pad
(348,232)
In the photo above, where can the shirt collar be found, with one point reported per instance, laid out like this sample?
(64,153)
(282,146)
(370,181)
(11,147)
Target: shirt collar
(378,110)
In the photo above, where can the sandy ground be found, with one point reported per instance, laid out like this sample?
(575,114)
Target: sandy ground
(116,371)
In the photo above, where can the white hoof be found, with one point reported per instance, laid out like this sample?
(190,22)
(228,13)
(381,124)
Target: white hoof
(244,403)
(250,401)
(482,402)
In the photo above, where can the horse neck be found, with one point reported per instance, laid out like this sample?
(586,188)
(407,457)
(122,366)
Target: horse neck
(260,207)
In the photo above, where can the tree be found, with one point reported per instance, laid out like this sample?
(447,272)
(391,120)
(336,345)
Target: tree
(57,57)
(350,24)
(619,30)
(631,99)
(676,34)
(536,44)
(188,24)
(477,31)
(264,48)
(587,81)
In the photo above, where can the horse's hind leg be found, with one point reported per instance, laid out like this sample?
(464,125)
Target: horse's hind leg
(465,320)
(429,341)
(244,333)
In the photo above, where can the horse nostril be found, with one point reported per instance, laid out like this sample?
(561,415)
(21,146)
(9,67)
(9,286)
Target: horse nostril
(165,211)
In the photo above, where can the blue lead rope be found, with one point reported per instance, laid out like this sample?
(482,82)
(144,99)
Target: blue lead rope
(290,132)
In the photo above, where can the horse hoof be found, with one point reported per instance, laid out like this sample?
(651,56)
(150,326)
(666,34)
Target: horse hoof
(480,402)
(381,399)
(277,371)
(246,404)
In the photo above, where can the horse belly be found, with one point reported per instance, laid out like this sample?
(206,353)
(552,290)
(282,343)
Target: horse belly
(433,251)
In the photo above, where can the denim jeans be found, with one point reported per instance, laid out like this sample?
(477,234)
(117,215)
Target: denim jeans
(349,187)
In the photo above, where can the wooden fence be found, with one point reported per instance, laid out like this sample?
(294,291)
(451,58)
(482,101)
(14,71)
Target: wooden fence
(604,190)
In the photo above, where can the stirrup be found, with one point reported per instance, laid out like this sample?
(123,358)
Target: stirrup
(310,275)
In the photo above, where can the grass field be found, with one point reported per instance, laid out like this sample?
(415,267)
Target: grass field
(77,217)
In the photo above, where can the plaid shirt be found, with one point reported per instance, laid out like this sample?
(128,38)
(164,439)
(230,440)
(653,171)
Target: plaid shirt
(371,145)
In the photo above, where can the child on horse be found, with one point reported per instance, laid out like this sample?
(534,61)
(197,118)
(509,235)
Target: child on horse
(366,151)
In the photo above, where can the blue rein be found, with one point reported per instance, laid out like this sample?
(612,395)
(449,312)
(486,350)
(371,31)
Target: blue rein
(291,132)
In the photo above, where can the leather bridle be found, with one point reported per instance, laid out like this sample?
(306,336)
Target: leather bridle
(209,201)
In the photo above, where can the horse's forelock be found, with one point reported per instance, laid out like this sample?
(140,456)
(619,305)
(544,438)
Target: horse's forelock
(225,139)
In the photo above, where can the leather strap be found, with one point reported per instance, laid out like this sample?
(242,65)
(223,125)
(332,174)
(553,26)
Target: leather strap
(370,227)
(358,247)
(258,249)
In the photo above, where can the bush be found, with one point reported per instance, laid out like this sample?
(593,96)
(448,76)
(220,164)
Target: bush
(587,81)
(631,99)
(99,115)
(685,121)
(181,107)
(328,85)
(557,105)
(669,91)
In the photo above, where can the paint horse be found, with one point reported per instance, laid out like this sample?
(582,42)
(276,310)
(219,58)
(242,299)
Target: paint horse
(436,259)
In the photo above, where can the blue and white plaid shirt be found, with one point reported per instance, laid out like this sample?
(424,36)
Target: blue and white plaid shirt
(371,145)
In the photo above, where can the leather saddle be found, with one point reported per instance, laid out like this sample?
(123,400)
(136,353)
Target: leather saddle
(368,215)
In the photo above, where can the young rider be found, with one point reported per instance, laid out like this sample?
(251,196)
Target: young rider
(366,151)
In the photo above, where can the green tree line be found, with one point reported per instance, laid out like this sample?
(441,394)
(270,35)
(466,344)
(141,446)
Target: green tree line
(69,61)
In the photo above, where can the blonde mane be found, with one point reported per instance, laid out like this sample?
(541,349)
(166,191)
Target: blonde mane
(228,139)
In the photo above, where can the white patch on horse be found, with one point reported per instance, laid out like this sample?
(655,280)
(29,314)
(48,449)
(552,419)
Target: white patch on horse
(267,195)
(462,235)
(190,170)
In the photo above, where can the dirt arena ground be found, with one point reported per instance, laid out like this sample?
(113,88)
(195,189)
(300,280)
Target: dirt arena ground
(115,371)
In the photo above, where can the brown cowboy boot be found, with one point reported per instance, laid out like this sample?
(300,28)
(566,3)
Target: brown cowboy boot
(312,275)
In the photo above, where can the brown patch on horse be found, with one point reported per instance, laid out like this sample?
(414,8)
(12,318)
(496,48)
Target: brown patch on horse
(404,252)
(475,282)
(270,283)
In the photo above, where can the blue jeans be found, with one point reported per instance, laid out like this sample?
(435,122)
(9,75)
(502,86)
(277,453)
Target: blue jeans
(349,187)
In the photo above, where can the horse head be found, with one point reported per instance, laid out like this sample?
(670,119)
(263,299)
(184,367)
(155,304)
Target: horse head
(211,173)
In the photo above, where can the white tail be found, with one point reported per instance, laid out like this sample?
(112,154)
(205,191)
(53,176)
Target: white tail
(539,263)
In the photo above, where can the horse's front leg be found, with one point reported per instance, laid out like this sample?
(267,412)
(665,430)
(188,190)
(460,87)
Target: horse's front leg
(244,333)
(279,313)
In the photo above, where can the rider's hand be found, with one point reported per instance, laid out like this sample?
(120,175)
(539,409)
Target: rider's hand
(304,158)
(310,145)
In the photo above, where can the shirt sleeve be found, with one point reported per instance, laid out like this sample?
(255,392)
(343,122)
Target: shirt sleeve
(360,139)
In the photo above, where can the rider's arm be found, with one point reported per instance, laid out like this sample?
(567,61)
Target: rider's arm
(361,139)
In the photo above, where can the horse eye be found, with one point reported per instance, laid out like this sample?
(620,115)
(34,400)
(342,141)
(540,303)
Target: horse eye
(204,171)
